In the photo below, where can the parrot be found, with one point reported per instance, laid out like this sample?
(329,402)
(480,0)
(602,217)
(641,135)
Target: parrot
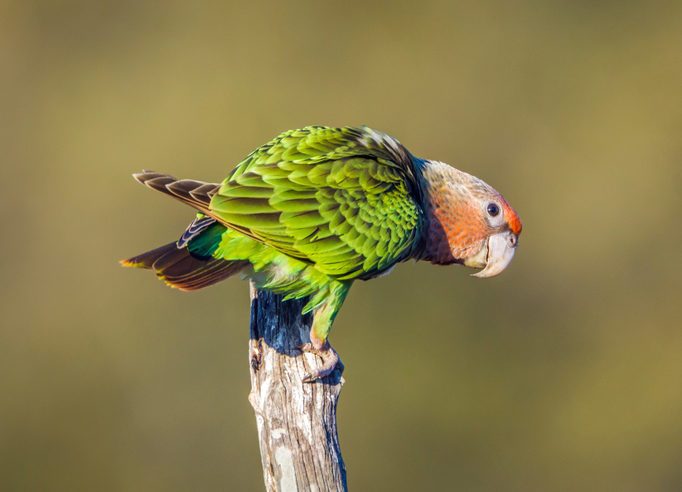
(317,208)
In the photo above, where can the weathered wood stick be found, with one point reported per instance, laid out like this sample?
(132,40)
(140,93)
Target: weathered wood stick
(296,421)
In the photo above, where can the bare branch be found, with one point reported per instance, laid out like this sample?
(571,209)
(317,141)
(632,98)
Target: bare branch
(296,421)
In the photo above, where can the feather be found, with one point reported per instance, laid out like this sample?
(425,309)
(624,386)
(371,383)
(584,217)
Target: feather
(197,226)
(180,269)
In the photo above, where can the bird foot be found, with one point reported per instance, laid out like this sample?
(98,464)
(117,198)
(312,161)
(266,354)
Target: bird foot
(330,360)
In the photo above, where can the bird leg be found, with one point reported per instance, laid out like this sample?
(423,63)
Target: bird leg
(323,317)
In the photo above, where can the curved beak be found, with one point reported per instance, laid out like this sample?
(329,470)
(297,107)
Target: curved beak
(499,252)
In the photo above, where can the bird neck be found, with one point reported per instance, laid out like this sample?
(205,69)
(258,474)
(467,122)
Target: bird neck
(446,208)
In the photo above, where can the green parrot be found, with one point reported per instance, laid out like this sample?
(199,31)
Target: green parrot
(316,208)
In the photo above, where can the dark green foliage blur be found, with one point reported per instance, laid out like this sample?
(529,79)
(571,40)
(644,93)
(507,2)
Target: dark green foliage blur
(562,374)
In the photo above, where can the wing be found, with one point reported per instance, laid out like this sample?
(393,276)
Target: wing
(344,199)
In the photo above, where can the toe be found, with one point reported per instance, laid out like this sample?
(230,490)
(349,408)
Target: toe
(330,360)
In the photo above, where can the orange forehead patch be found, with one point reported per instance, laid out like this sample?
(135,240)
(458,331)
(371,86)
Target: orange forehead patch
(512,219)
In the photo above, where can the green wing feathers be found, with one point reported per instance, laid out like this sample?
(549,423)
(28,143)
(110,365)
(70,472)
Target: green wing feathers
(342,199)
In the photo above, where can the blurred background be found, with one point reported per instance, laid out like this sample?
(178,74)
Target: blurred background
(562,374)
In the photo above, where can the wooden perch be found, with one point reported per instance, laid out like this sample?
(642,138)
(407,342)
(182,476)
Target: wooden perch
(296,421)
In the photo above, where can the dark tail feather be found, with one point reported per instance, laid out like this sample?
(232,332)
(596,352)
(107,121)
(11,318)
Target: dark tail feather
(197,194)
(179,269)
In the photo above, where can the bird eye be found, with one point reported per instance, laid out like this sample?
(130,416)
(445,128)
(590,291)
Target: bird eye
(493,209)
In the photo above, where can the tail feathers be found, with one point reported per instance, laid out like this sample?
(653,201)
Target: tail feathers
(197,194)
(179,269)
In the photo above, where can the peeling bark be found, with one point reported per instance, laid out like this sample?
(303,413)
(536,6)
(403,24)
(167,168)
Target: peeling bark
(296,421)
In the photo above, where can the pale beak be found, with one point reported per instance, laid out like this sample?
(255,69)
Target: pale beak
(499,252)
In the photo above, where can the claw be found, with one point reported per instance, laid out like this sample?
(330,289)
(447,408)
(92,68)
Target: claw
(330,360)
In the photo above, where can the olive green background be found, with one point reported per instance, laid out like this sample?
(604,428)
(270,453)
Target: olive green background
(563,374)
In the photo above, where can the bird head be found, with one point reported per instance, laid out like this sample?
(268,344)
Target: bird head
(469,222)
